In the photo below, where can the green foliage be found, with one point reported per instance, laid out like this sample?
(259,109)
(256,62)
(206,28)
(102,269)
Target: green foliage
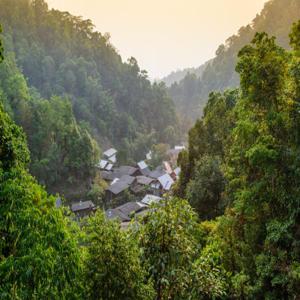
(63,55)
(205,189)
(263,171)
(255,140)
(201,180)
(112,266)
(39,256)
(97,192)
(170,240)
(62,151)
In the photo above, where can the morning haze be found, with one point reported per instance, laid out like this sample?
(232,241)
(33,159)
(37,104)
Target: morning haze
(165,35)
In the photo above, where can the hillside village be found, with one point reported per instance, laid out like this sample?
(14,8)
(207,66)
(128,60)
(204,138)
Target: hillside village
(131,190)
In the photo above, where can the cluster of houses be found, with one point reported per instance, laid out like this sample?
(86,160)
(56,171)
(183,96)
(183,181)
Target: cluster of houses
(139,179)
(146,185)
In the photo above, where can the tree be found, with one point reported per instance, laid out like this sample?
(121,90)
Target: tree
(205,190)
(36,246)
(262,171)
(112,265)
(170,239)
(210,137)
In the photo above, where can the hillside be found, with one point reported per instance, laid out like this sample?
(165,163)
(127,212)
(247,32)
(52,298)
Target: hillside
(178,75)
(68,87)
(191,93)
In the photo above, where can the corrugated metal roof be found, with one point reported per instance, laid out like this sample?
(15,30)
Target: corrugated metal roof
(82,206)
(149,199)
(131,207)
(110,152)
(124,170)
(109,167)
(142,165)
(116,214)
(144,180)
(157,173)
(113,159)
(128,179)
(115,181)
(166,182)
(118,187)
(102,164)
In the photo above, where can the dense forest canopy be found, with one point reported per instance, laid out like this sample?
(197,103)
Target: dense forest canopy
(191,93)
(242,165)
(67,86)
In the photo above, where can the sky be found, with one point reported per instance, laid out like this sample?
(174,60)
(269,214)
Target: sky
(165,35)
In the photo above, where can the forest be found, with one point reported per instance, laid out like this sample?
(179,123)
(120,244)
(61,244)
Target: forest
(230,228)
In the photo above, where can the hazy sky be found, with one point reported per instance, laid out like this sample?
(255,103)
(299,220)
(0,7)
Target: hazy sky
(165,35)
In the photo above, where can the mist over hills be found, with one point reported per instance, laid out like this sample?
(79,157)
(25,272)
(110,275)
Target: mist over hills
(178,75)
(190,94)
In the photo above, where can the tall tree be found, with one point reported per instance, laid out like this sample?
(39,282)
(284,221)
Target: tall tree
(112,267)
(39,257)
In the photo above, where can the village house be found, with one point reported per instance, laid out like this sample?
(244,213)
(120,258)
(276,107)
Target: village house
(151,199)
(166,182)
(83,209)
(111,155)
(142,185)
(158,172)
(125,170)
(116,189)
(143,168)
(126,212)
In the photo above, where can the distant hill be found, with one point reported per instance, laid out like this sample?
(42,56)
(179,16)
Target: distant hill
(191,93)
(178,75)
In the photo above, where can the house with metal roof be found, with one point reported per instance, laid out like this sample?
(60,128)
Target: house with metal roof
(116,214)
(158,172)
(128,179)
(110,153)
(126,211)
(118,187)
(113,159)
(83,209)
(109,167)
(102,164)
(142,165)
(125,170)
(151,199)
(144,180)
(166,182)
